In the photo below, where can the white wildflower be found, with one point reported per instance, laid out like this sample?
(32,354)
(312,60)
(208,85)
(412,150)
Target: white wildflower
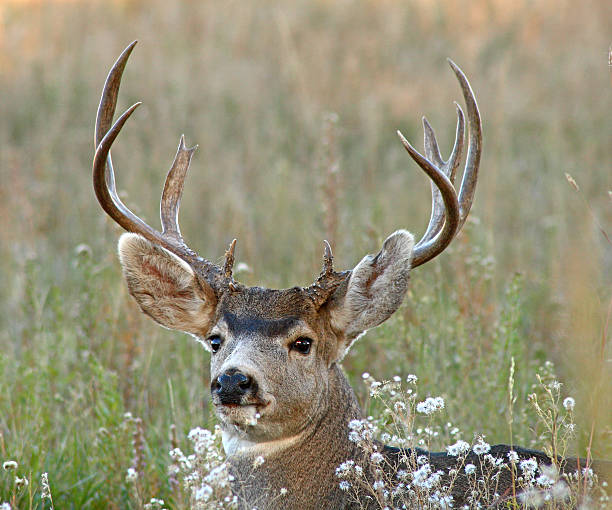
(354,436)
(433,480)
(378,484)
(422,459)
(459,448)
(441,500)
(377,458)
(131,475)
(365,375)
(5,506)
(399,406)
(470,469)
(344,469)
(430,405)
(411,379)
(283,491)
(397,378)
(203,493)
(375,387)
(258,461)
(494,461)
(344,485)
(179,457)
(21,482)
(218,476)
(481,447)
(355,424)
(9,465)
(45,490)
(513,457)
(529,467)
(420,476)
(154,504)
(544,481)
(569,403)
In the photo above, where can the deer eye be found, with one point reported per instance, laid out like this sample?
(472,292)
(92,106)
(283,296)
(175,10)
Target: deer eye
(215,343)
(301,345)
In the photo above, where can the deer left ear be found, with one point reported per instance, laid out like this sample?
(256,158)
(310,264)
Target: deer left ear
(375,290)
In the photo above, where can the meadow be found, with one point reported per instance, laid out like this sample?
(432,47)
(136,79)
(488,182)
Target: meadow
(294,107)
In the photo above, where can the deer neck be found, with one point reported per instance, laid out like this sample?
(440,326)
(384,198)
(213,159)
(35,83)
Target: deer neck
(299,472)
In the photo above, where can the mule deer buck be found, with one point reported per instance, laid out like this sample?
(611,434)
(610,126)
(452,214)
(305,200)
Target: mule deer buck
(277,386)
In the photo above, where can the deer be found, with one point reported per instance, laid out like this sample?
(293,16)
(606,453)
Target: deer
(277,385)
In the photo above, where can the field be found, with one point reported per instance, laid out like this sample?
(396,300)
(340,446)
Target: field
(295,107)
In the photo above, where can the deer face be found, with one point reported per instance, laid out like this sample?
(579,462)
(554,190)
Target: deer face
(271,350)
(270,353)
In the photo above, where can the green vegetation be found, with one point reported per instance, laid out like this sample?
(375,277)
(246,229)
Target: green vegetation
(253,85)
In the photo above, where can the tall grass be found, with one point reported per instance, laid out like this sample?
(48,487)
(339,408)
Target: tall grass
(253,85)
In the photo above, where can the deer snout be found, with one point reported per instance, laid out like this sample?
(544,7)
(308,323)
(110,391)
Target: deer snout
(232,385)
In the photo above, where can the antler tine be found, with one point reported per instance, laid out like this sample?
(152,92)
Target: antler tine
(228,266)
(449,168)
(108,101)
(328,280)
(106,109)
(328,259)
(432,151)
(470,176)
(173,190)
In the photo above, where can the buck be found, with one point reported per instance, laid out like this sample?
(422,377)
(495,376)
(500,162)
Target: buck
(277,385)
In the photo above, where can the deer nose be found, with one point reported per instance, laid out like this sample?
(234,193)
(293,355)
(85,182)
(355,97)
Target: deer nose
(232,385)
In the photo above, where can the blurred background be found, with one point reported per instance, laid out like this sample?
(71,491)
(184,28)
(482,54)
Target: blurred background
(294,107)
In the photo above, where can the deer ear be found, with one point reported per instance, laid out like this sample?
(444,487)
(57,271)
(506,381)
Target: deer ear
(165,287)
(375,289)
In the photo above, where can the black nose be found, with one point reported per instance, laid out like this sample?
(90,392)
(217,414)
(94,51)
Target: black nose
(232,385)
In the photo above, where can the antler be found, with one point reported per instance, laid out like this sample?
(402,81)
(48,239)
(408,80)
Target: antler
(328,280)
(104,185)
(448,212)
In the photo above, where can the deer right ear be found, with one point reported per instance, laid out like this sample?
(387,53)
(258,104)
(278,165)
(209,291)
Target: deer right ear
(165,287)
(376,289)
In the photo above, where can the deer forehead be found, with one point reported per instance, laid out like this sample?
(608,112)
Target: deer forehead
(266,312)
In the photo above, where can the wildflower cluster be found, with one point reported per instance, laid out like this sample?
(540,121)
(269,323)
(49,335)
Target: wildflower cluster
(430,405)
(478,474)
(411,482)
(204,473)
(19,483)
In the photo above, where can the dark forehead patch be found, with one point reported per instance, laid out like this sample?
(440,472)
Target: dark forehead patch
(240,324)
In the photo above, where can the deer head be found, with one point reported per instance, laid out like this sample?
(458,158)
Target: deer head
(274,353)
